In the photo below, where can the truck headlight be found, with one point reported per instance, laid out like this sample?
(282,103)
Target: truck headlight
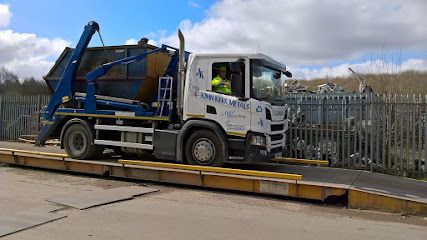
(258,140)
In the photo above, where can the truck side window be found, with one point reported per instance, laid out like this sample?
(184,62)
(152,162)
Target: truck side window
(222,76)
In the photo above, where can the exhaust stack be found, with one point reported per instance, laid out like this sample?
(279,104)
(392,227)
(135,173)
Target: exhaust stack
(181,74)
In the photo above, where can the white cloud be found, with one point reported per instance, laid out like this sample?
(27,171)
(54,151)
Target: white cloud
(34,66)
(373,67)
(193,4)
(160,34)
(308,31)
(5,15)
(28,55)
(414,64)
(131,41)
(152,42)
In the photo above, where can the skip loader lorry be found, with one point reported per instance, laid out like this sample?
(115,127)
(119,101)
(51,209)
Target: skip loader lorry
(141,99)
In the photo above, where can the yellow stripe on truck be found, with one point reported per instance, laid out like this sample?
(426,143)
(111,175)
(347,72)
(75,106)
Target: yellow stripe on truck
(111,116)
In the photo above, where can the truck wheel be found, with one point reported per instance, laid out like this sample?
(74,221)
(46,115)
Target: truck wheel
(204,148)
(77,142)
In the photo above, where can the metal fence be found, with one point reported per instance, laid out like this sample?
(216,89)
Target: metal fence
(20,115)
(382,133)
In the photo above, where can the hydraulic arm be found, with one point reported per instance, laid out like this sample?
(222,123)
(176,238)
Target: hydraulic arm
(64,90)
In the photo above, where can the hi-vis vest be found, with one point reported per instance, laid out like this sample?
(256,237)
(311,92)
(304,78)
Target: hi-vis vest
(220,85)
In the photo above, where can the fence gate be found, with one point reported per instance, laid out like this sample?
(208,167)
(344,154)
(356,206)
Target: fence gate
(20,115)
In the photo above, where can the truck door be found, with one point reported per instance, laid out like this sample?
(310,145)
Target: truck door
(197,76)
(223,103)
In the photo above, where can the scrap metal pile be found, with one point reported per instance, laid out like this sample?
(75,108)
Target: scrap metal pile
(296,87)
(329,88)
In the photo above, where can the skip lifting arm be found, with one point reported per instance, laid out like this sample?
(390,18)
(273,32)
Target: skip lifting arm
(64,89)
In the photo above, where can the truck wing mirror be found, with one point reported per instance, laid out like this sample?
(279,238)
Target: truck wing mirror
(237,85)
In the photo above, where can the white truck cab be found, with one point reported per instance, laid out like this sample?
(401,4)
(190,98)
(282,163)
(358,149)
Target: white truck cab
(252,122)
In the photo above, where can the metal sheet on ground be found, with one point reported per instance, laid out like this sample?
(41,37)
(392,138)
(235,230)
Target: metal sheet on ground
(90,199)
(391,186)
(321,176)
(30,218)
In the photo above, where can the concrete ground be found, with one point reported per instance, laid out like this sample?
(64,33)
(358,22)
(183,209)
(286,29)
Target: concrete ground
(189,213)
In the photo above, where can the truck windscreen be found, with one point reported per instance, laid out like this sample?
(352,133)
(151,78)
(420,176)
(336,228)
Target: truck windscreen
(266,82)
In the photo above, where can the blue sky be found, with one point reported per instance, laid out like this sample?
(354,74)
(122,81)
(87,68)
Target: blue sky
(315,39)
(119,20)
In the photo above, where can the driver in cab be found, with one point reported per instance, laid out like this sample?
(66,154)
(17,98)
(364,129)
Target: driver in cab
(220,83)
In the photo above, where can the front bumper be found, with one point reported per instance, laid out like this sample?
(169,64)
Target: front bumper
(274,145)
(260,154)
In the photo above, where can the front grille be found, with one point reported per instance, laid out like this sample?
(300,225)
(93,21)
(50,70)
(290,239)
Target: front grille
(276,137)
(276,127)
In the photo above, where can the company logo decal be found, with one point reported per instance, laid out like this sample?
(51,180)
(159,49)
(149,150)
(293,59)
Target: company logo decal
(199,74)
(261,122)
(225,101)
(234,127)
(231,114)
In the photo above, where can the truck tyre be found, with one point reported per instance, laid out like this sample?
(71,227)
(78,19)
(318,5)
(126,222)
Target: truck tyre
(204,148)
(77,142)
